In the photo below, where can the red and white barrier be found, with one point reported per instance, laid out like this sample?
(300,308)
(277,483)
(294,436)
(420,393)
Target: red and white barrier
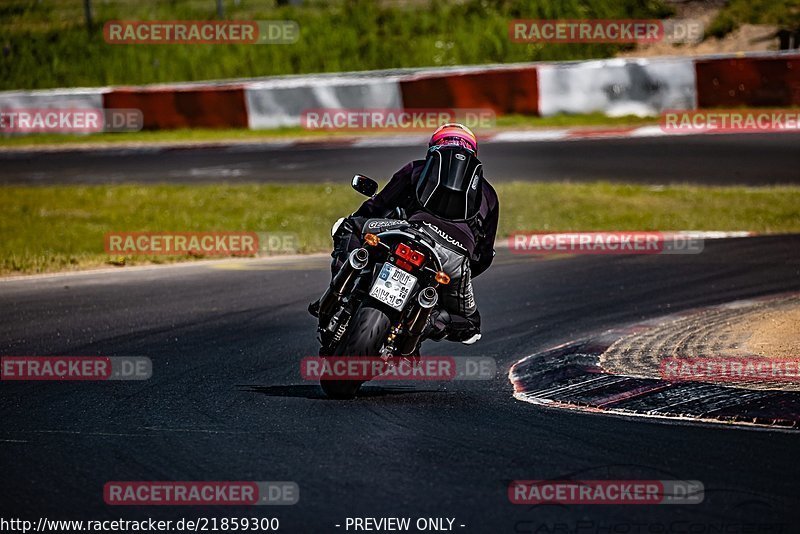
(615,87)
(277,103)
(90,98)
(748,81)
(511,90)
(167,108)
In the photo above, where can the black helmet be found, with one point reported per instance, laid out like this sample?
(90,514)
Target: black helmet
(450,184)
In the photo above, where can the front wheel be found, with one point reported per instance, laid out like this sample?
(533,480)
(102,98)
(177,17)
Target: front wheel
(364,337)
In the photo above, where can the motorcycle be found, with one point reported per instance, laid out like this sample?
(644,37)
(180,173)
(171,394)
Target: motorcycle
(379,302)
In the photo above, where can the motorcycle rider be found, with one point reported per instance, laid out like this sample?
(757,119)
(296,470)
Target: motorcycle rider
(457,207)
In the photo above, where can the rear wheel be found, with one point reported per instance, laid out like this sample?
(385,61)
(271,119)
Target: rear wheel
(364,337)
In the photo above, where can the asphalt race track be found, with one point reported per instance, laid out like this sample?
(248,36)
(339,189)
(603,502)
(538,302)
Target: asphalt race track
(226,401)
(763,159)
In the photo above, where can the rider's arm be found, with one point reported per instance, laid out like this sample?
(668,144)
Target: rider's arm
(485,247)
(394,194)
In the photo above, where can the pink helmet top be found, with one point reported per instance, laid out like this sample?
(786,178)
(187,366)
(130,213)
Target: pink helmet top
(454,134)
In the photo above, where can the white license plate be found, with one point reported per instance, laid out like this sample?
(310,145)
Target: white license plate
(393,286)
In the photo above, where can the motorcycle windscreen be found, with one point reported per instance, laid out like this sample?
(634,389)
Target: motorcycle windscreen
(450,183)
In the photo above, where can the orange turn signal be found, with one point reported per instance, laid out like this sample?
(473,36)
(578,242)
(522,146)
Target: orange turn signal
(442,278)
(371,239)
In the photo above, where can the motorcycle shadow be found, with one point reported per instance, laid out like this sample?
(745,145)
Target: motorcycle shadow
(314,391)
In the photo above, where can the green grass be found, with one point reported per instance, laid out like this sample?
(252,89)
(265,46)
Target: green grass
(46,43)
(225,135)
(197,135)
(61,227)
(566,121)
(783,13)
(605,206)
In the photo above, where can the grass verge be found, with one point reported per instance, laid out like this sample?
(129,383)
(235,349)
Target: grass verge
(233,135)
(46,43)
(61,228)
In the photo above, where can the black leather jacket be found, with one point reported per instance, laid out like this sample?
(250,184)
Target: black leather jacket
(477,236)
(467,248)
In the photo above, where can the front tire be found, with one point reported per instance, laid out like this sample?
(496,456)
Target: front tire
(364,337)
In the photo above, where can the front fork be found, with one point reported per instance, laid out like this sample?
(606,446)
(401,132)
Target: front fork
(343,282)
(332,326)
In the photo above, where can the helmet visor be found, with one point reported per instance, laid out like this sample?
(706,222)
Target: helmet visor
(450,183)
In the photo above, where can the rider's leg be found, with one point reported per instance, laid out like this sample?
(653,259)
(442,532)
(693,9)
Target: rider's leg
(346,239)
(457,317)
